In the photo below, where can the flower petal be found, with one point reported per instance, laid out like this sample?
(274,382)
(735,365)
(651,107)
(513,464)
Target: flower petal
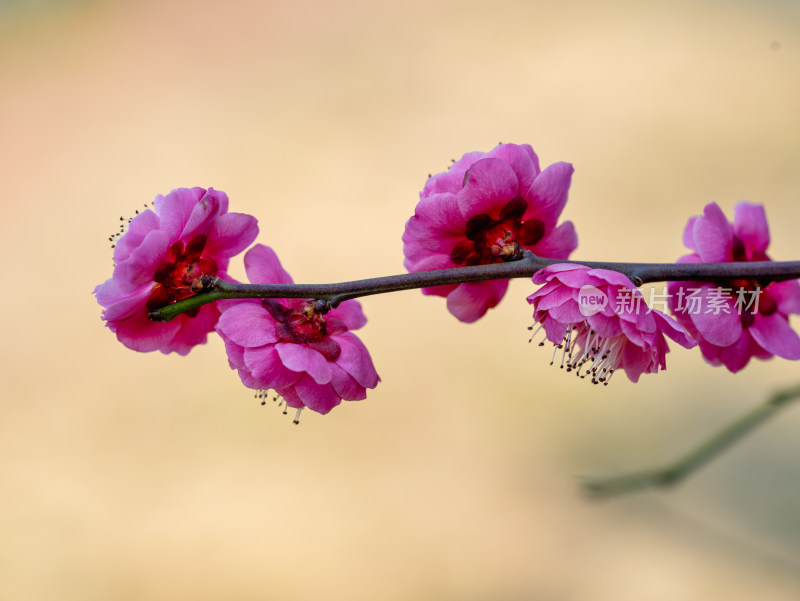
(356,361)
(547,195)
(522,159)
(488,186)
(230,234)
(317,397)
(786,296)
(470,301)
(773,333)
(350,313)
(263,267)
(268,369)
(750,225)
(720,328)
(248,324)
(713,235)
(175,208)
(346,385)
(300,358)
(558,243)
(451,180)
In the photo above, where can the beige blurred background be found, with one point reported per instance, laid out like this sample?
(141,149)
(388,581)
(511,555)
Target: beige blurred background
(144,476)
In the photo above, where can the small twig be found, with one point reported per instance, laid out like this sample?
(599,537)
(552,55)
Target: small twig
(694,460)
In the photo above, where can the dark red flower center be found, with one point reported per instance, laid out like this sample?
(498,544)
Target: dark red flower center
(182,267)
(752,296)
(494,240)
(305,325)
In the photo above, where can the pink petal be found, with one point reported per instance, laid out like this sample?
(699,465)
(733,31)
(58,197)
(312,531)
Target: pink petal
(141,225)
(437,225)
(235,354)
(549,273)
(350,313)
(521,159)
(140,334)
(548,194)
(568,313)
(488,185)
(606,326)
(290,397)
(193,330)
(773,333)
(671,328)
(470,301)
(721,329)
(125,308)
(268,369)
(688,234)
(750,225)
(736,356)
(552,295)
(230,234)
(614,277)
(451,180)
(635,361)
(554,330)
(317,397)
(115,290)
(356,361)
(175,208)
(558,243)
(142,264)
(207,209)
(785,294)
(429,263)
(300,358)
(263,267)
(713,235)
(248,324)
(346,386)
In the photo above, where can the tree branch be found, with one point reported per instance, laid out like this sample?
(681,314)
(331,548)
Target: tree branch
(639,273)
(694,460)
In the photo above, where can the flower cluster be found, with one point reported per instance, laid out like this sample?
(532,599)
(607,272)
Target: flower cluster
(487,210)
(167,253)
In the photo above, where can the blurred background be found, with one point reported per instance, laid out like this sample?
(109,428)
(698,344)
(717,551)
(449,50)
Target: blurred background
(144,476)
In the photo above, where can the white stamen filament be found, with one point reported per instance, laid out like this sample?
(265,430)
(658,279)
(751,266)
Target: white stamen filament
(582,348)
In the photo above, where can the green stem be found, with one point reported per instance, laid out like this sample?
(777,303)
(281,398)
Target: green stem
(672,474)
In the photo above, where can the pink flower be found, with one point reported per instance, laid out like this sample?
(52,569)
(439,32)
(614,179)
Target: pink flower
(735,320)
(488,208)
(599,321)
(311,360)
(187,234)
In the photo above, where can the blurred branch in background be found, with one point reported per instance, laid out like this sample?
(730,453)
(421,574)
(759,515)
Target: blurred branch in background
(672,474)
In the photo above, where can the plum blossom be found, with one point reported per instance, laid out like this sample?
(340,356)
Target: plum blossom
(286,345)
(600,322)
(488,208)
(735,320)
(164,251)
